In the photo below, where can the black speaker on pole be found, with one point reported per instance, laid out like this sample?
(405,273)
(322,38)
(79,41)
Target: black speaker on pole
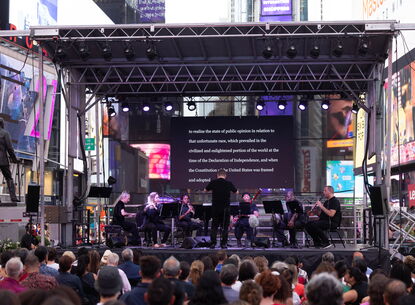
(32,198)
(379,200)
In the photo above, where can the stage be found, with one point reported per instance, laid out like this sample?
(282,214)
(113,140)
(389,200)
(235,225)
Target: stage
(310,257)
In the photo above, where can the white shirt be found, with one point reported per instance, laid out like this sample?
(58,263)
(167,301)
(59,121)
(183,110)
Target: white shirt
(125,283)
(54,266)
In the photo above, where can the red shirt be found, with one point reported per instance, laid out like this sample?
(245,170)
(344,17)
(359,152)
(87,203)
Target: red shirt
(42,281)
(12,285)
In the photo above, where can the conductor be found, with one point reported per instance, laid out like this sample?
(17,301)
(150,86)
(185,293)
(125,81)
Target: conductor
(7,148)
(221,192)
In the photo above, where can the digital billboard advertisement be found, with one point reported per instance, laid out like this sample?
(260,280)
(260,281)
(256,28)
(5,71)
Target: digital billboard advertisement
(276,10)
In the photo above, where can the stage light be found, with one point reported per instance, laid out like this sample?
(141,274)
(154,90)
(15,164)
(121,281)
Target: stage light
(151,52)
(106,52)
(260,105)
(325,104)
(292,51)
(125,107)
(364,48)
(302,105)
(315,51)
(191,105)
(282,104)
(355,108)
(111,111)
(146,107)
(267,52)
(129,52)
(60,53)
(168,106)
(83,51)
(338,50)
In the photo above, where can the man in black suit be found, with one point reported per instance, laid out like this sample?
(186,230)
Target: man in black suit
(6,151)
(221,193)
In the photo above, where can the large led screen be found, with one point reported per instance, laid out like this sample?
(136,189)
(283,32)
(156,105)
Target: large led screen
(256,152)
(341,177)
(158,159)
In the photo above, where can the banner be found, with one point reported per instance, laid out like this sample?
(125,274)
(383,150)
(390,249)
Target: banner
(152,11)
(308,165)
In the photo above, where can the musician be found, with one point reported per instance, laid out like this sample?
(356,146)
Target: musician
(221,192)
(119,217)
(186,215)
(330,217)
(153,221)
(292,221)
(242,221)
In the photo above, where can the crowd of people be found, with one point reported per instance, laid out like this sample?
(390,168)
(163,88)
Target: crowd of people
(42,277)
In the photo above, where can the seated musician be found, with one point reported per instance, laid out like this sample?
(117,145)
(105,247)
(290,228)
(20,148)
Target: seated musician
(292,221)
(330,217)
(153,222)
(186,217)
(242,221)
(119,217)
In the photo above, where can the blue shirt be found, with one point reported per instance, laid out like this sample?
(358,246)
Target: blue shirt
(131,270)
(135,296)
(44,269)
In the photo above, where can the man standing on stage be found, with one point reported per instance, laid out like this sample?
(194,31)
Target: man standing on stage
(7,148)
(221,192)
(242,221)
(330,217)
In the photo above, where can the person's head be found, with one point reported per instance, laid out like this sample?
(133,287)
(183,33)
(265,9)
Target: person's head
(171,267)
(221,255)
(56,300)
(221,173)
(354,276)
(33,296)
(41,252)
(153,198)
(393,291)
(209,288)
(185,199)
(358,254)
(251,292)
(341,268)
(196,270)
(82,251)
(328,257)
(70,254)
(127,255)
(324,289)
(236,258)
(285,292)
(14,268)
(261,263)
(401,272)
(247,270)
(228,274)
(269,282)
(52,254)
(324,268)
(246,197)
(108,282)
(289,196)
(104,258)
(184,270)
(4,258)
(360,264)
(410,262)
(32,263)
(67,293)
(279,266)
(160,292)
(22,253)
(150,267)
(125,197)
(328,191)
(376,288)
(94,260)
(9,298)
(65,263)
(207,263)
(82,266)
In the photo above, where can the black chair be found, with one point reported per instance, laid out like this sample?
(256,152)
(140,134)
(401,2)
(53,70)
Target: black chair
(335,229)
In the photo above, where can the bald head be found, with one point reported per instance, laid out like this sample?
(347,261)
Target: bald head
(393,291)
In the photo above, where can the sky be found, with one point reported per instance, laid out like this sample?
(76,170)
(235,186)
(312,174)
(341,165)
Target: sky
(196,11)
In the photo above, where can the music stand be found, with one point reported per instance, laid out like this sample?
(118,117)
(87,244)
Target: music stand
(273,207)
(170,210)
(293,206)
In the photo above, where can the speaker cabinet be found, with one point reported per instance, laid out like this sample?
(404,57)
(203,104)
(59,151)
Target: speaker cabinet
(32,199)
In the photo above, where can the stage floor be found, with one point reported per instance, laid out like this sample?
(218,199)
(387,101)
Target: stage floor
(311,257)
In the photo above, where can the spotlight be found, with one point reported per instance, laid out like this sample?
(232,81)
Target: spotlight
(364,48)
(315,51)
(302,105)
(146,107)
(60,53)
(355,108)
(168,106)
(129,52)
(292,51)
(111,111)
(338,50)
(83,51)
(282,104)
(191,105)
(260,105)
(267,52)
(325,104)
(125,107)
(106,52)
(151,52)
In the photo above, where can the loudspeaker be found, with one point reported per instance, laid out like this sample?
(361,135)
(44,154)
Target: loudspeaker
(188,243)
(262,242)
(115,241)
(32,199)
(378,200)
(202,241)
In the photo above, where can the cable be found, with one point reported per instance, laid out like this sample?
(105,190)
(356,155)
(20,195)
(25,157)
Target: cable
(24,64)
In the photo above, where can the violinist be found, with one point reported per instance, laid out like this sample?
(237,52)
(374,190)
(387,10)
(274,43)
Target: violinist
(186,217)
(153,222)
(242,221)
(330,217)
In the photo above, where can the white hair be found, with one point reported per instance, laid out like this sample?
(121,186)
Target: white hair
(113,259)
(14,267)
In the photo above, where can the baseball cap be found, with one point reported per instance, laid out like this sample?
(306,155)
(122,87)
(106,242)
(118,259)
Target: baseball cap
(108,281)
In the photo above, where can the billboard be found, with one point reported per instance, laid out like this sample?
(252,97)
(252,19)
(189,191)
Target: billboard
(23,14)
(276,7)
(158,159)
(152,11)
(341,177)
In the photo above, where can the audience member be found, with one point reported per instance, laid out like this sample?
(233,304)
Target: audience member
(247,270)
(324,267)
(52,255)
(207,263)
(407,300)
(375,291)
(341,268)
(184,274)
(171,271)
(4,258)
(270,284)
(94,261)
(160,292)
(8,298)
(113,260)
(228,276)
(34,278)
(402,272)
(42,254)
(221,255)
(357,281)
(196,270)
(131,270)
(328,257)
(209,290)
(87,279)
(108,284)
(66,278)
(33,296)
(14,269)
(394,290)
(283,295)
(359,255)
(324,289)
(251,292)
(261,263)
